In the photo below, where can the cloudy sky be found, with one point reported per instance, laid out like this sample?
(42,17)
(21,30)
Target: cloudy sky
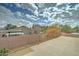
(27,14)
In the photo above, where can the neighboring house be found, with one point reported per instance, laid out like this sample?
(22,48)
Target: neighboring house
(36,29)
(11,32)
(26,30)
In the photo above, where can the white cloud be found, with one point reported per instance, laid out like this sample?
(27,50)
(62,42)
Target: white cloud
(18,13)
(5,11)
(36,12)
(6,17)
(58,4)
(34,6)
(77,7)
(18,5)
(48,12)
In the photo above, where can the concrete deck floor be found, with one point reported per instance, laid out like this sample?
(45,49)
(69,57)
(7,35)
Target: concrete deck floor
(61,46)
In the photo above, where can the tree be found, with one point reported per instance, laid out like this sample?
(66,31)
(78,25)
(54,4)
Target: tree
(10,26)
(66,29)
(23,26)
(44,29)
(53,32)
(76,29)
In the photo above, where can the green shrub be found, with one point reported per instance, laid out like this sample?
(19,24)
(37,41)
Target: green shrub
(66,29)
(3,52)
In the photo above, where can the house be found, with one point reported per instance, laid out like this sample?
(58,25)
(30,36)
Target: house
(36,29)
(11,32)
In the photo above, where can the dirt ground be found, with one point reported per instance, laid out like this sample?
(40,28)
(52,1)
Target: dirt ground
(20,52)
(61,46)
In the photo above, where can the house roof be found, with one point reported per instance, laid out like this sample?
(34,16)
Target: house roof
(11,30)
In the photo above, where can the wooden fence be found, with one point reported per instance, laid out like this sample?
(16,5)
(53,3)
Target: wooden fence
(16,41)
